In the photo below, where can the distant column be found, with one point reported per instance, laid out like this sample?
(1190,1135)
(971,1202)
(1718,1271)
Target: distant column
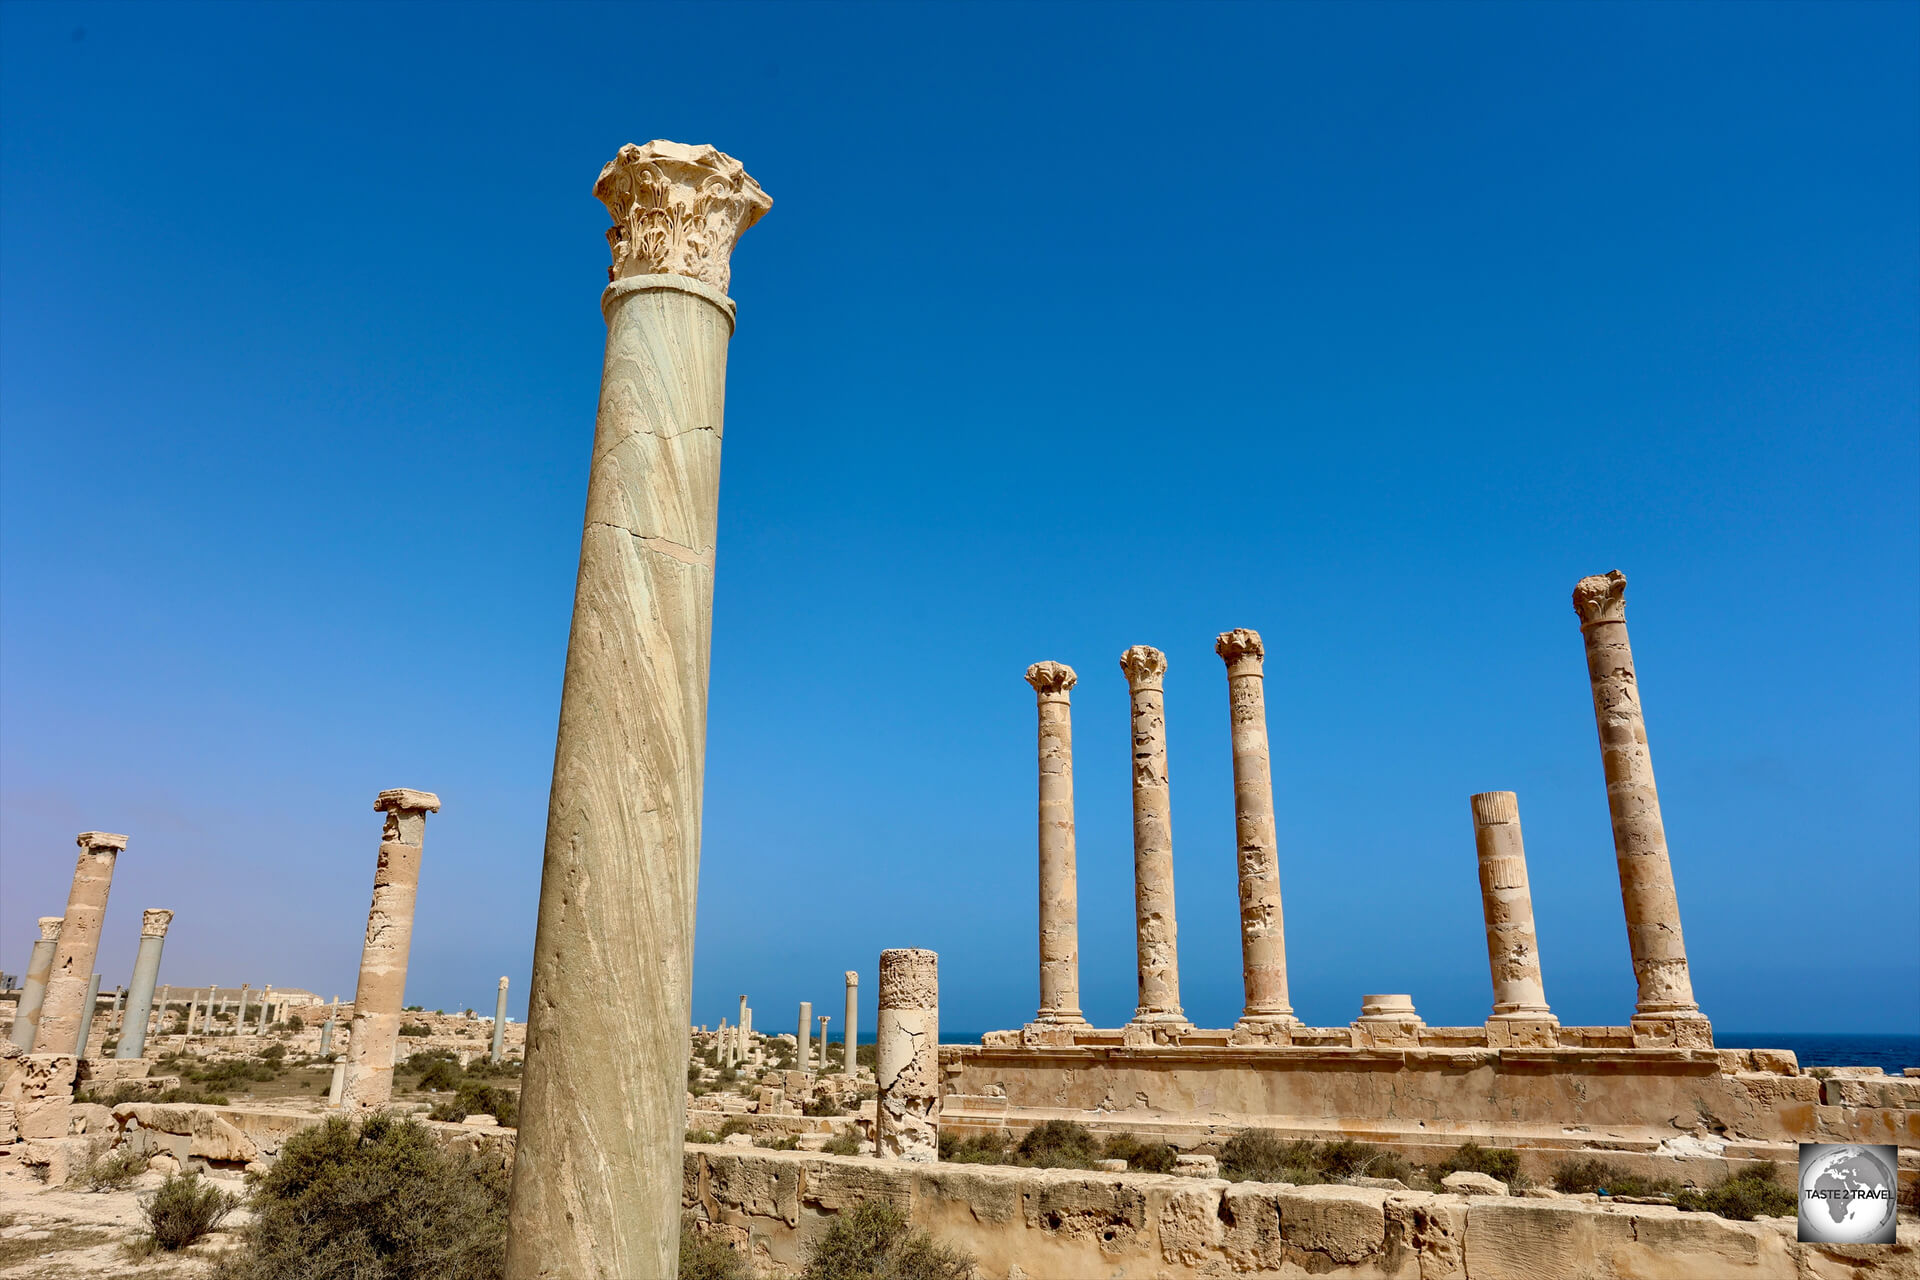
(1158,933)
(383,959)
(91,1007)
(850,1035)
(1059,884)
(26,1016)
(1263,933)
(114,1010)
(499,1024)
(146,970)
(820,1043)
(326,1028)
(337,1090)
(1666,1005)
(240,1023)
(803,1045)
(78,947)
(907,1116)
(1513,952)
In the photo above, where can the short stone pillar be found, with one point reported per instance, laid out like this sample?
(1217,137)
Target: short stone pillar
(907,1117)
(499,1024)
(1666,1013)
(1513,952)
(1387,1021)
(802,1043)
(1263,931)
(146,971)
(820,1043)
(383,959)
(605,1081)
(26,1016)
(337,1089)
(78,947)
(1159,1010)
(1059,877)
(850,1026)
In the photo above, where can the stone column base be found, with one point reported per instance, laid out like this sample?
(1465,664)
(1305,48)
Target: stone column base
(1523,1031)
(1053,1035)
(1164,1028)
(1689,1030)
(1269,1029)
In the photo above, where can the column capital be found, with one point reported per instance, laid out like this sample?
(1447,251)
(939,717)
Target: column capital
(1601,598)
(677,210)
(503,984)
(1495,808)
(853,977)
(50,928)
(1144,665)
(1051,679)
(1239,643)
(154,922)
(405,799)
(909,978)
(100,840)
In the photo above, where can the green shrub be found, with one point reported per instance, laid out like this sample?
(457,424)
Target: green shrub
(844,1143)
(704,1257)
(1141,1157)
(296,1023)
(1471,1157)
(1751,1193)
(1261,1155)
(823,1104)
(184,1210)
(790,1142)
(200,1096)
(415,1029)
(1059,1144)
(113,1170)
(875,1241)
(472,1098)
(707,1136)
(274,1054)
(1579,1177)
(735,1124)
(373,1200)
(439,1077)
(993,1147)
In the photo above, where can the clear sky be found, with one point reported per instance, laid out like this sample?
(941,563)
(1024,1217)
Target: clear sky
(1373,328)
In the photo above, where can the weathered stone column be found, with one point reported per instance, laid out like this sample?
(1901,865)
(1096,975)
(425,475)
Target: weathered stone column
(1513,951)
(803,1052)
(907,1117)
(246,992)
(146,971)
(88,1011)
(113,1011)
(383,959)
(337,1088)
(820,1044)
(326,1028)
(596,1183)
(1059,886)
(850,1034)
(1263,931)
(78,946)
(1158,937)
(499,1024)
(1666,1009)
(26,1017)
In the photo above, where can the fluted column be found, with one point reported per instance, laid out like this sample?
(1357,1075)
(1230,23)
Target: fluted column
(1513,952)
(33,992)
(1059,889)
(907,1056)
(146,972)
(78,946)
(499,1025)
(850,1026)
(1666,1005)
(1263,931)
(596,1184)
(1158,934)
(382,991)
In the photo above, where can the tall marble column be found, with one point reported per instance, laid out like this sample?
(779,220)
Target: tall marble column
(1158,933)
(1666,1009)
(596,1183)
(850,1033)
(907,1054)
(383,959)
(1513,951)
(1059,887)
(802,1044)
(499,1024)
(146,971)
(87,1013)
(78,946)
(26,1014)
(1263,931)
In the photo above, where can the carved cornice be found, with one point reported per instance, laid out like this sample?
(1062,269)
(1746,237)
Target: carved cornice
(677,211)
(100,840)
(1239,643)
(153,923)
(1051,677)
(50,928)
(1144,665)
(404,798)
(1601,598)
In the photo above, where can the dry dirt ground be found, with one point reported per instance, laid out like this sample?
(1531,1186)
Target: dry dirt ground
(49,1233)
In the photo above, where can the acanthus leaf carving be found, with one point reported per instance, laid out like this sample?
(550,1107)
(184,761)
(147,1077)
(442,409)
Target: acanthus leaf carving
(677,210)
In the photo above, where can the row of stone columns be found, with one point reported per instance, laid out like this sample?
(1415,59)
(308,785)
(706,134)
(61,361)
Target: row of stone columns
(1665,1010)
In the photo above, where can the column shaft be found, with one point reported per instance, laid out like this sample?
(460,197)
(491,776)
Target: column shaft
(146,972)
(1157,930)
(907,1115)
(1059,887)
(803,1044)
(87,1013)
(850,1034)
(1263,932)
(78,946)
(378,1000)
(499,1025)
(1513,952)
(26,1015)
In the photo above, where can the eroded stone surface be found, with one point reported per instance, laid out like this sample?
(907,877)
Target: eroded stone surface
(1059,876)
(1158,931)
(367,1084)
(907,1058)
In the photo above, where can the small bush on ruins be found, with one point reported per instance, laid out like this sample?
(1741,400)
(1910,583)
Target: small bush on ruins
(789,1143)
(415,1029)
(294,1022)
(200,1097)
(274,1054)
(735,1124)
(184,1210)
(846,1143)
(1751,1193)
(1471,1157)
(1261,1155)
(867,1055)
(707,1136)
(705,1257)
(874,1239)
(823,1104)
(440,1076)
(415,1008)
(1141,1157)
(113,1170)
(1059,1144)
(474,1099)
(126,1091)
(373,1200)
(987,1148)
(1579,1177)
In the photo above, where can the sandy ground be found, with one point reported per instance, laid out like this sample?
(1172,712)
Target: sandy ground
(49,1233)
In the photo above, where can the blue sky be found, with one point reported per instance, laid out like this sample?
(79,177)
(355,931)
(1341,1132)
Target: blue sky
(1370,327)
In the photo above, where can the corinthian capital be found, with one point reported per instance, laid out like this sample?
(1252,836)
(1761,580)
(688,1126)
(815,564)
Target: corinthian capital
(50,928)
(1601,598)
(1051,677)
(1144,665)
(153,923)
(1239,643)
(100,841)
(677,210)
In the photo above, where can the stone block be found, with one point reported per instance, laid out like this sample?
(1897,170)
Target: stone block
(1522,1033)
(1110,1213)
(1466,1183)
(1344,1223)
(1514,1239)
(1250,1212)
(991,1194)
(837,1183)
(1190,1226)
(9,1125)
(206,1132)
(1196,1166)
(1429,1227)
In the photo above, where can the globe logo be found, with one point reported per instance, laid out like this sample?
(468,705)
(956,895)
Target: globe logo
(1847,1193)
